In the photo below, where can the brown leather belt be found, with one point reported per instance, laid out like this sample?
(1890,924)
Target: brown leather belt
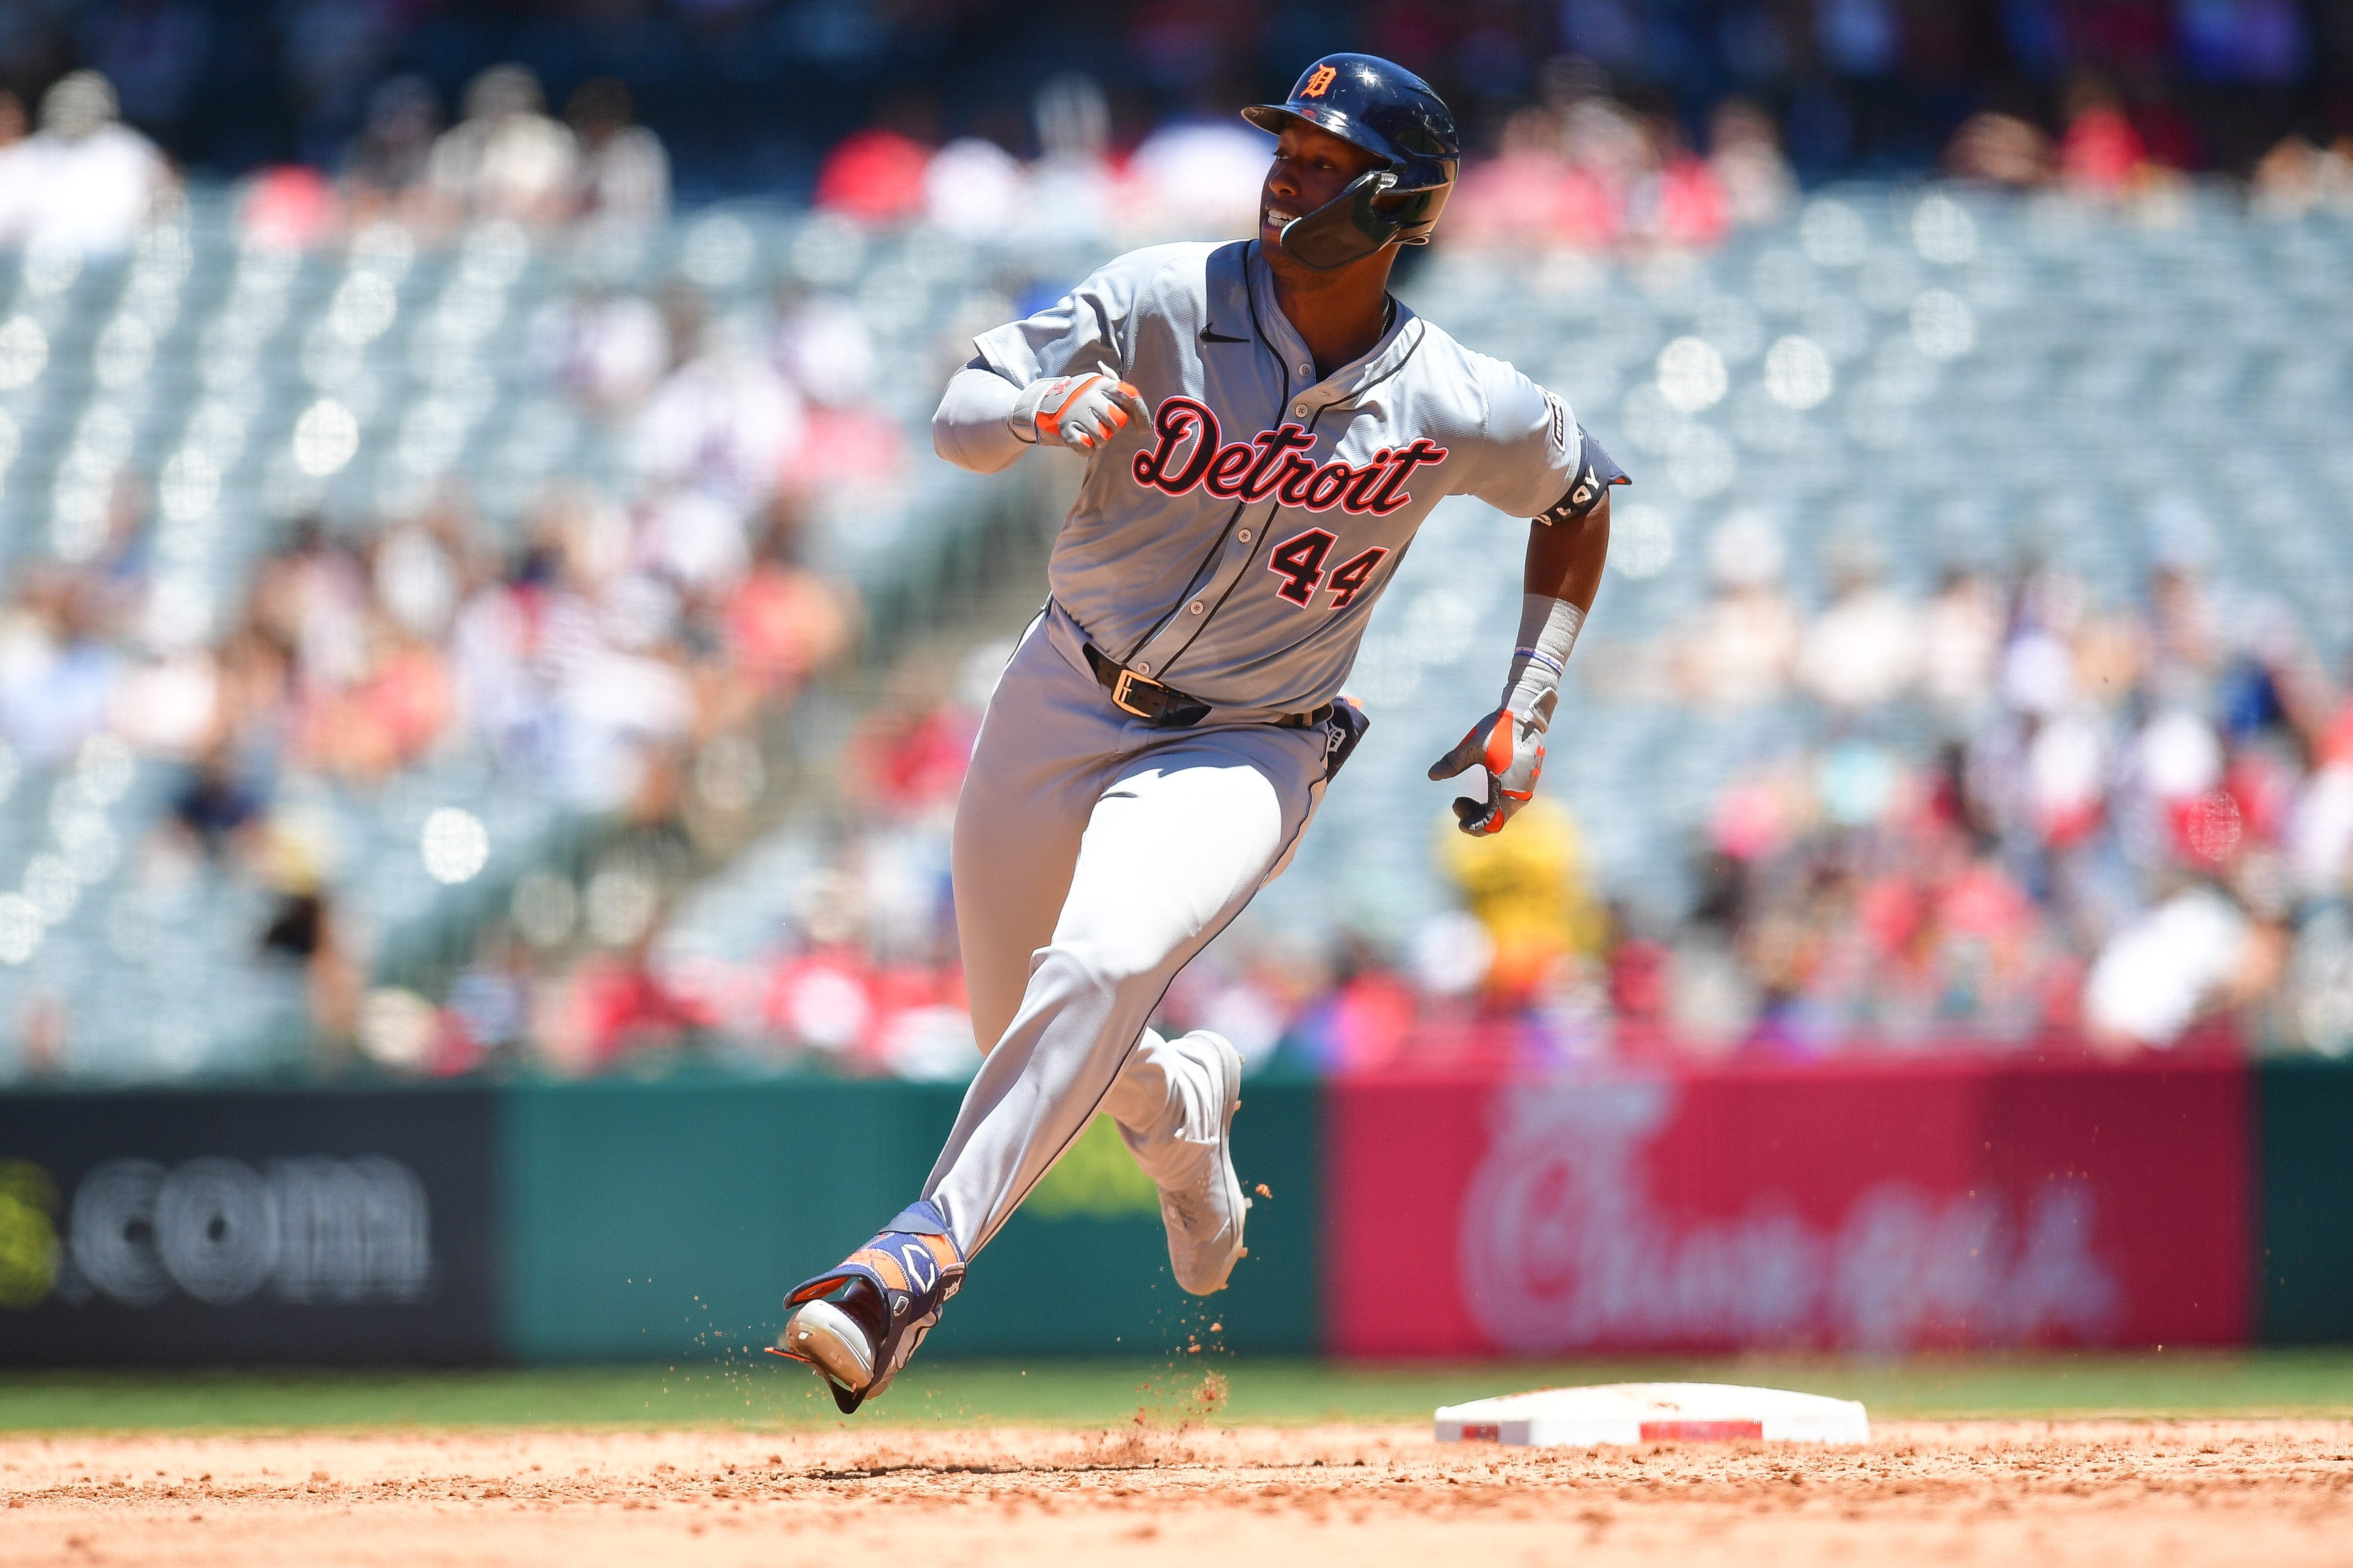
(1162,706)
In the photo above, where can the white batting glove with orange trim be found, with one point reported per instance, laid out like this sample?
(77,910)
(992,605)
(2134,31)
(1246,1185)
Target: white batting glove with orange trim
(1510,741)
(1083,411)
(1511,747)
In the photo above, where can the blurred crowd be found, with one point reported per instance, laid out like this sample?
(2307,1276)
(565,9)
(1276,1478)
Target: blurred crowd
(580,666)
(2000,816)
(83,180)
(2032,816)
(846,962)
(860,974)
(1573,155)
(758,96)
(2028,812)
(622,648)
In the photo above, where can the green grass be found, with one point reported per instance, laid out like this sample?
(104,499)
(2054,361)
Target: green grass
(1099,1393)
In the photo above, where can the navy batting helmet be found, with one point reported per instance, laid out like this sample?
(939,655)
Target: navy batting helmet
(1391,114)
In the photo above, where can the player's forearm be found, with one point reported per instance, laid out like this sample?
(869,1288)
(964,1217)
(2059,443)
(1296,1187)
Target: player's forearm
(1562,576)
(970,428)
(1564,557)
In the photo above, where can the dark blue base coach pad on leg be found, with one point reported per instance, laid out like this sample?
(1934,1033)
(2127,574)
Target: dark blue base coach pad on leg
(291,1227)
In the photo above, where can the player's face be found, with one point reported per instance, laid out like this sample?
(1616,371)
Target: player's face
(1310,168)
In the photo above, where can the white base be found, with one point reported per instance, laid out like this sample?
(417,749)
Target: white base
(1653,1413)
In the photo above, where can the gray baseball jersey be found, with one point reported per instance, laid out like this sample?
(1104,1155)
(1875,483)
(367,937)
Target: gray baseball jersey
(1235,546)
(1232,547)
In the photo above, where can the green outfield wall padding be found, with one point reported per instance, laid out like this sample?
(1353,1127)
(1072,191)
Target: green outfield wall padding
(2304,1135)
(1074,1278)
(667,1219)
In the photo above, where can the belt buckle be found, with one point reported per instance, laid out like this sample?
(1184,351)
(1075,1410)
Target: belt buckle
(1128,681)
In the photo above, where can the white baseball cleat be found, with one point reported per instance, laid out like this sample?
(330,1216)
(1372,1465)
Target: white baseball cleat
(831,1340)
(858,1324)
(1203,1209)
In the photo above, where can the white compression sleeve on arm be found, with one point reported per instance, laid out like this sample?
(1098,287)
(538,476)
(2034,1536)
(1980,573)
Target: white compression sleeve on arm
(970,429)
(1548,628)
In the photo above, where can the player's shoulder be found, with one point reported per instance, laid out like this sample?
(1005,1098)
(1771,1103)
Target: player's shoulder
(1494,391)
(1178,262)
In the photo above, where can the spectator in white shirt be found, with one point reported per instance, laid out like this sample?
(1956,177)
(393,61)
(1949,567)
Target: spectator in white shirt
(608,348)
(1960,643)
(723,423)
(1865,647)
(974,188)
(823,346)
(1736,652)
(507,157)
(86,182)
(624,173)
(1184,178)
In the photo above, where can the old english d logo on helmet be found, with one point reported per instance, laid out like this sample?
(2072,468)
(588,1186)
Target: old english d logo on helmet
(1381,106)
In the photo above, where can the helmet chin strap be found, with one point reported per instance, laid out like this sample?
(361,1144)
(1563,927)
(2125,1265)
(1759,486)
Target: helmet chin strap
(1346,229)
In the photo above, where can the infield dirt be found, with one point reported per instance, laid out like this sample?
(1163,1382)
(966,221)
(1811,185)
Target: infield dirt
(2043,1493)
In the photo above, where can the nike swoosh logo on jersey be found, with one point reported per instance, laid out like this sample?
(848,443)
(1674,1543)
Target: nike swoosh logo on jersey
(1211,335)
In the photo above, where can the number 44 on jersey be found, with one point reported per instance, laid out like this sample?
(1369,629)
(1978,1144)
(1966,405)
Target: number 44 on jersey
(1299,561)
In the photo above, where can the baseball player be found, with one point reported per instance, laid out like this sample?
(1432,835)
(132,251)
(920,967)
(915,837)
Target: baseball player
(1265,430)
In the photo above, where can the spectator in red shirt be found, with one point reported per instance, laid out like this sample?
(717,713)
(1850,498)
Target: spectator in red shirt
(2101,153)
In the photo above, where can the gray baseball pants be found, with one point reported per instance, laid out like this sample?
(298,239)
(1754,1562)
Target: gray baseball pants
(1094,857)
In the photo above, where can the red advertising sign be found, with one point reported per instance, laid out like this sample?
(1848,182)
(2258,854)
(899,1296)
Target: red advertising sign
(1876,1208)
